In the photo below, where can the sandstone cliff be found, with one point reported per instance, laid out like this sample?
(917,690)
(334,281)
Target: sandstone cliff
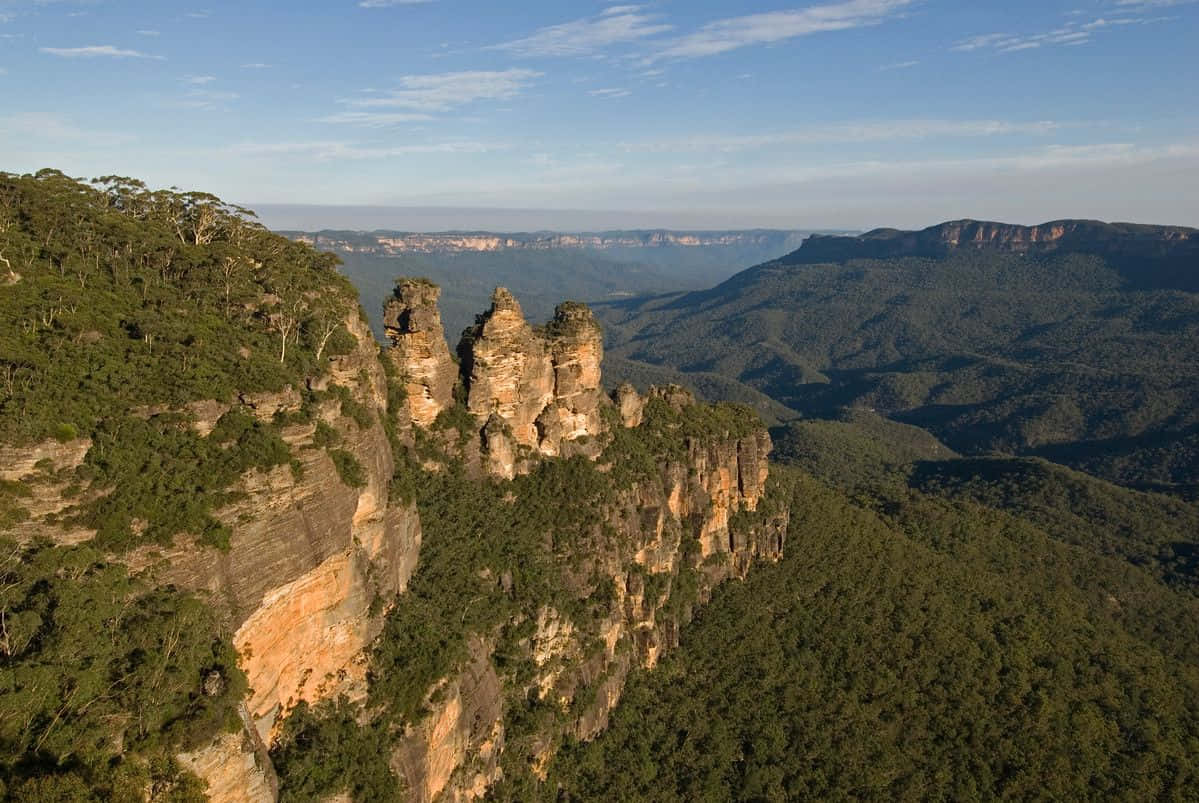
(533,392)
(314,561)
(412,322)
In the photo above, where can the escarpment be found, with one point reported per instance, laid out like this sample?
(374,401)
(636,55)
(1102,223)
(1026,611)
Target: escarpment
(1146,255)
(418,577)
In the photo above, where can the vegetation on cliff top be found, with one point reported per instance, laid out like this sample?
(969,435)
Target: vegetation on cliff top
(118,297)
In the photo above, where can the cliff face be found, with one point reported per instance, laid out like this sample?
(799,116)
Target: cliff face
(308,558)
(664,542)
(412,322)
(1146,255)
(390,243)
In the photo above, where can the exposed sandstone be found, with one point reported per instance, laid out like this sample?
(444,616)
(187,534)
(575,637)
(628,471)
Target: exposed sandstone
(236,767)
(630,404)
(412,322)
(460,741)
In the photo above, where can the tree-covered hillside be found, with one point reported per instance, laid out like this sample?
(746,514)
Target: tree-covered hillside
(913,646)
(120,305)
(1058,354)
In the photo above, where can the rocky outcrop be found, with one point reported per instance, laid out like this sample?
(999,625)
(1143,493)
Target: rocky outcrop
(665,542)
(508,369)
(533,392)
(412,322)
(1149,256)
(453,754)
(236,767)
(43,473)
(543,384)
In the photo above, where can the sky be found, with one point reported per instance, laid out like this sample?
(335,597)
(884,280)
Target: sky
(684,113)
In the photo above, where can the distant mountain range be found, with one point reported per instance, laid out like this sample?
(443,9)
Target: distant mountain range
(397,242)
(542,268)
(1072,340)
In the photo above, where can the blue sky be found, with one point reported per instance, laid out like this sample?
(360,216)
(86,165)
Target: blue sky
(840,114)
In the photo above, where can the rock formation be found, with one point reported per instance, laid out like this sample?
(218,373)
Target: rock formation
(418,349)
(310,558)
(533,392)
(507,369)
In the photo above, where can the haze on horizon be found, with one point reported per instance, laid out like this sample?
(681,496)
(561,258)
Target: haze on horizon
(583,115)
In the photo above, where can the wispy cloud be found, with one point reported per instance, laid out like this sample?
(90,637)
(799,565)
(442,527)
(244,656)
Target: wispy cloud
(333,150)
(613,92)
(374,119)
(206,99)
(581,37)
(901,65)
(1072,33)
(97,51)
(441,92)
(198,80)
(893,130)
(390,3)
(149,33)
(255,65)
(724,35)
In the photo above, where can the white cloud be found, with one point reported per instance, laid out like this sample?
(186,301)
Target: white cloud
(205,99)
(255,65)
(93,51)
(149,33)
(776,26)
(390,3)
(374,119)
(442,92)
(901,65)
(333,150)
(616,25)
(887,131)
(198,80)
(1072,33)
(613,92)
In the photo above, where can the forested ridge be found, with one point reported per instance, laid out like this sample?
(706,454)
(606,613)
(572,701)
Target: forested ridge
(1082,355)
(954,615)
(912,645)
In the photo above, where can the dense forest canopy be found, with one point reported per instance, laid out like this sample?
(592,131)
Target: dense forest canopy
(119,296)
(1059,354)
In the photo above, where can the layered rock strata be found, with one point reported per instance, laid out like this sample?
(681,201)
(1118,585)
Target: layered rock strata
(681,521)
(533,392)
(412,322)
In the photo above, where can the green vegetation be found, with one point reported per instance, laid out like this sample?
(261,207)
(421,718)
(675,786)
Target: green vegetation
(348,468)
(933,652)
(158,477)
(325,749)
(1062,356)
(121,297)
(102,679)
